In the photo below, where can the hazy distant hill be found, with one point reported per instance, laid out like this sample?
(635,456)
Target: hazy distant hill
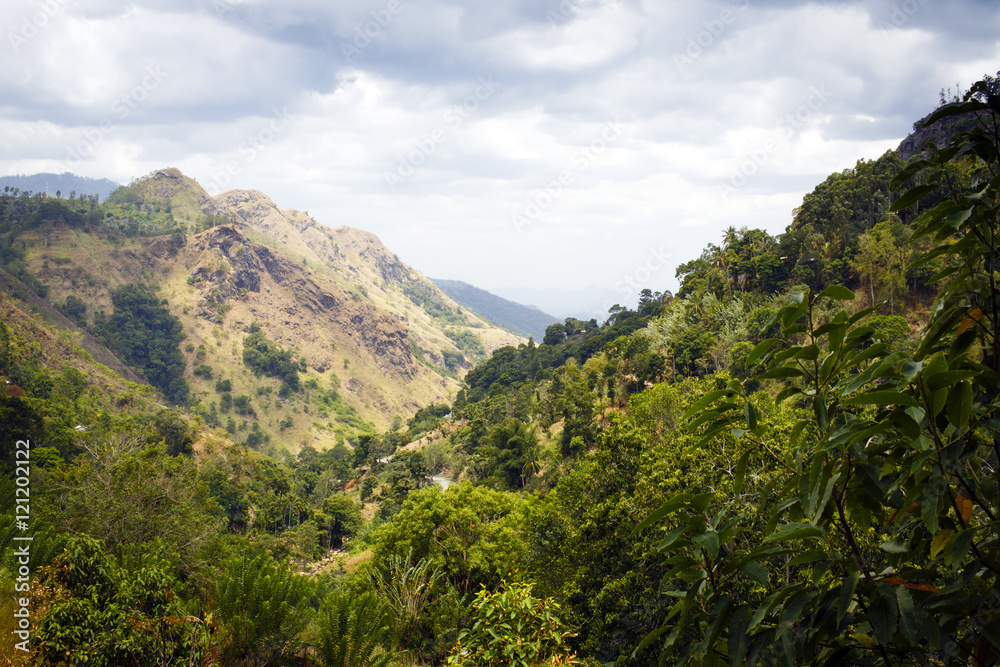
(63,183)
(521,319)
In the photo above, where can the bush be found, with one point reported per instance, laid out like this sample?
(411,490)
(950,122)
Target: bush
(513,628)
(265,357)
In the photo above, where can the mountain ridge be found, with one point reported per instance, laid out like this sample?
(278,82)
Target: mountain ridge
(519,318)
(376,339)
(65,184)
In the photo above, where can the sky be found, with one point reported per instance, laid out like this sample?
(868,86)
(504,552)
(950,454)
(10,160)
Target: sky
(567,153)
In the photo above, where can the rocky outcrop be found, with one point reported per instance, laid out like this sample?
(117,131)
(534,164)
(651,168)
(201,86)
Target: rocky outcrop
(938,133)
(257,274)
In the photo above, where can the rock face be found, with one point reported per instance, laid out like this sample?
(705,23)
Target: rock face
(378,339)
(938,133)
(233,268)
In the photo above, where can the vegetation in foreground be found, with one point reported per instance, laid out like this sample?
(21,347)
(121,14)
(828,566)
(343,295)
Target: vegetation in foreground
(721,477)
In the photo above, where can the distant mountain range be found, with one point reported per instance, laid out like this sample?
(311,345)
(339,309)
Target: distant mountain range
(65,184)
(513,316)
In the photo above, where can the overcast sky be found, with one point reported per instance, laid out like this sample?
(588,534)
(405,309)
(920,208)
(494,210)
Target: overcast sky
(557,144)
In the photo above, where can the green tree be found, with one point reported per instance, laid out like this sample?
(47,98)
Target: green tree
(512,452)
(99,613)
(881,262)
(470,532)
(172,428)
(881,547)
(343,518)
(126,492)
(513,628)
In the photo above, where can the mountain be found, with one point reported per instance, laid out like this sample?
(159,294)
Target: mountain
(585,303)
(521,319)
(65,183)
(373,339)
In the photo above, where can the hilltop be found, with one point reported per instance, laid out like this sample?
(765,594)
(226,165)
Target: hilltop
(373,339)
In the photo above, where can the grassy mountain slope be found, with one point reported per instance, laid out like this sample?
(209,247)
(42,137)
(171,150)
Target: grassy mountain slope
(378,340)
(520,319)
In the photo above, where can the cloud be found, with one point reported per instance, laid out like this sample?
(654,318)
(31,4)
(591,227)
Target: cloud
(776,93)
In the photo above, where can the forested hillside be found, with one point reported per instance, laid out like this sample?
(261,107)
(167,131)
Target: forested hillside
(793,460)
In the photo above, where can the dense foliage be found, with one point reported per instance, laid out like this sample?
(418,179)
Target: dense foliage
(266,357)
(792,461)
(147,337)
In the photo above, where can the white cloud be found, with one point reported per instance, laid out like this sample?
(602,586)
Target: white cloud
(691,116)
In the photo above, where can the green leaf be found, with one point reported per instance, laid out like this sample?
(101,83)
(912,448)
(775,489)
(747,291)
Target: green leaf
(847,594)
(838,292)
(910,369)
(700,502)
(946,378)
(929,510)
(718,620)
(909,171)
(960,405)
(705,400)
(785,393)
(751,416)
(708,541)
(755,571)
(882,613)
(960,547)
(894,547)
(781,372)
(822,417)
(907,613)
(914,195)
(670,538)
(882,398)
(808,557)
(759,350)
(672,505)
(795,531)
(741,472)
(738,635)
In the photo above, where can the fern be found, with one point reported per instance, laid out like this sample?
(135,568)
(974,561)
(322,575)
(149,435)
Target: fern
(355,630)
(264,607)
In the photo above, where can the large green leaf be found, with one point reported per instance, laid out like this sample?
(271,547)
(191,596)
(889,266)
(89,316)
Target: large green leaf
(882,615)
(795,531)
